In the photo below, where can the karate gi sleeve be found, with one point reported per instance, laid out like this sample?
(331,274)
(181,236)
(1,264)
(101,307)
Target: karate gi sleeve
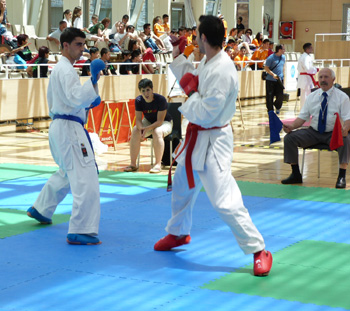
(80,96)
(180,66)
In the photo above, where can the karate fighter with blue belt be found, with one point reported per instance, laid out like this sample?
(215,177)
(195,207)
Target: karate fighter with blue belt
(70,145)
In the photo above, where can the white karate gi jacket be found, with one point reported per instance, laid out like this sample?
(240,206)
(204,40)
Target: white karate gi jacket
(212,106)
(66,95)
(305,64)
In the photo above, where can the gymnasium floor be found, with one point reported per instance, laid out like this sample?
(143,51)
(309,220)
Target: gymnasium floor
(305,227)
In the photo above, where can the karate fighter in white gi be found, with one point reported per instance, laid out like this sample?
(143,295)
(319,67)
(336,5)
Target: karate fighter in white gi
(70,147)
(306,80)
(206,159)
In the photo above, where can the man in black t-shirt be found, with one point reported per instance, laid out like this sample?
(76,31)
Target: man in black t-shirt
(94,54)
(156,122)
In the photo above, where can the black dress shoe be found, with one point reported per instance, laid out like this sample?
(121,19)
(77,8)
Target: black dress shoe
(292,179)
(341,183)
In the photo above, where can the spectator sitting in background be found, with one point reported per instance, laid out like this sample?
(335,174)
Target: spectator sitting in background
(120,37)
(258,41)
(94,20)
(133,68)
(126,59)
(67,17)
(56,35)
(151,40)
(25,53)
(232,34)
(3,14)
(261,54)
(241,59)
(94,54)
(166,23)
(130,31)
(105,56)
(247,38)
(229,51)
(42,59)
(99,29)
(190,48)
(158,28)
(115,27)
(147,56)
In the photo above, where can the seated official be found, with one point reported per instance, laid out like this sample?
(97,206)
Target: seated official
(156,122)
(321,105)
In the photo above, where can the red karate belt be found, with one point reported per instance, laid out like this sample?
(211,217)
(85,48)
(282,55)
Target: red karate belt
(316,84)
(190,141)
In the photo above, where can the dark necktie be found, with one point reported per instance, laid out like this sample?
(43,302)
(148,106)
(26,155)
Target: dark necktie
(322,118)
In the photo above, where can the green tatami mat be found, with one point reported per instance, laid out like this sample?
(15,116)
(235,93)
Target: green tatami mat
(313,272)
(294,192)
(13,171)
(13,222)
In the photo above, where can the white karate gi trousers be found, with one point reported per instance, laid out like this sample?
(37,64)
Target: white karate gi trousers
(303,94)
(80,178)
(224,195)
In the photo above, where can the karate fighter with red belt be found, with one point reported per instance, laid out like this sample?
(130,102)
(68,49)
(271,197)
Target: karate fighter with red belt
(204,158)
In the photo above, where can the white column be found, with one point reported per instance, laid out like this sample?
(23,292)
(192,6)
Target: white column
(161,7)
(256,15)
(71,4)
(228,9)
(120,8)
(276,21)
(198,7)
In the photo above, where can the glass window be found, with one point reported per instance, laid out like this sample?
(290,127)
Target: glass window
(55,14)
(106,9)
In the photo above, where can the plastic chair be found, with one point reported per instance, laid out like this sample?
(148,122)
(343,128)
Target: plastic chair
(319,147)
(176,133)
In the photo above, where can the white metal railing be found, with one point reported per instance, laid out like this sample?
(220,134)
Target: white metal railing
(323,35)
(9,67)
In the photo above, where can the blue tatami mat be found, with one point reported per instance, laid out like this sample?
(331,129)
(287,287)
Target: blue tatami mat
(40,271)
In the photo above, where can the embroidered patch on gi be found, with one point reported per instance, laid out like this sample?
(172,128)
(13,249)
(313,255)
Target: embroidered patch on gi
(83,150)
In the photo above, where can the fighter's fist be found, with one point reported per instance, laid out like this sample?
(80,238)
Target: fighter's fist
(95,67)
(189,83)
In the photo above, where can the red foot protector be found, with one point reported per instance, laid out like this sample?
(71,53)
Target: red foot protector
(262,263)
(170,241)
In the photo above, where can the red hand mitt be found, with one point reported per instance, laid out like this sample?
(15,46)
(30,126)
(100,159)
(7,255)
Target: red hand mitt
(337,136)
(189,83)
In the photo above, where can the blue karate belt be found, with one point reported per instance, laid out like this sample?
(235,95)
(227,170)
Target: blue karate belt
(77,119)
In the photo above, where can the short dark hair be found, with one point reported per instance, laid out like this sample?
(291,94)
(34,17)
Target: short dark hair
(165,15)
(278,47)
(266,40)
(145,83)
(227,48)
(126,53)
(213,28)
(240,18)
(104,51)
(125,16)
(21,38)
(182,28)
(43,50)
(62,22)
(135,53)
(93,50)
(129,27)
(230,41)
(146,26)
(69,34)
(306,46)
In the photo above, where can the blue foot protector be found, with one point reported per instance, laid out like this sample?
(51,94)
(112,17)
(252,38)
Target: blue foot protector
(95,67)
(33,213)
(82,239)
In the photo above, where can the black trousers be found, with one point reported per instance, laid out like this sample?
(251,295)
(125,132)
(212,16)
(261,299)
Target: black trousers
(273,89)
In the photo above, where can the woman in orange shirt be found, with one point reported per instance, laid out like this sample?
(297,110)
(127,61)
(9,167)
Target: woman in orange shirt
(158,29)
(258,40)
